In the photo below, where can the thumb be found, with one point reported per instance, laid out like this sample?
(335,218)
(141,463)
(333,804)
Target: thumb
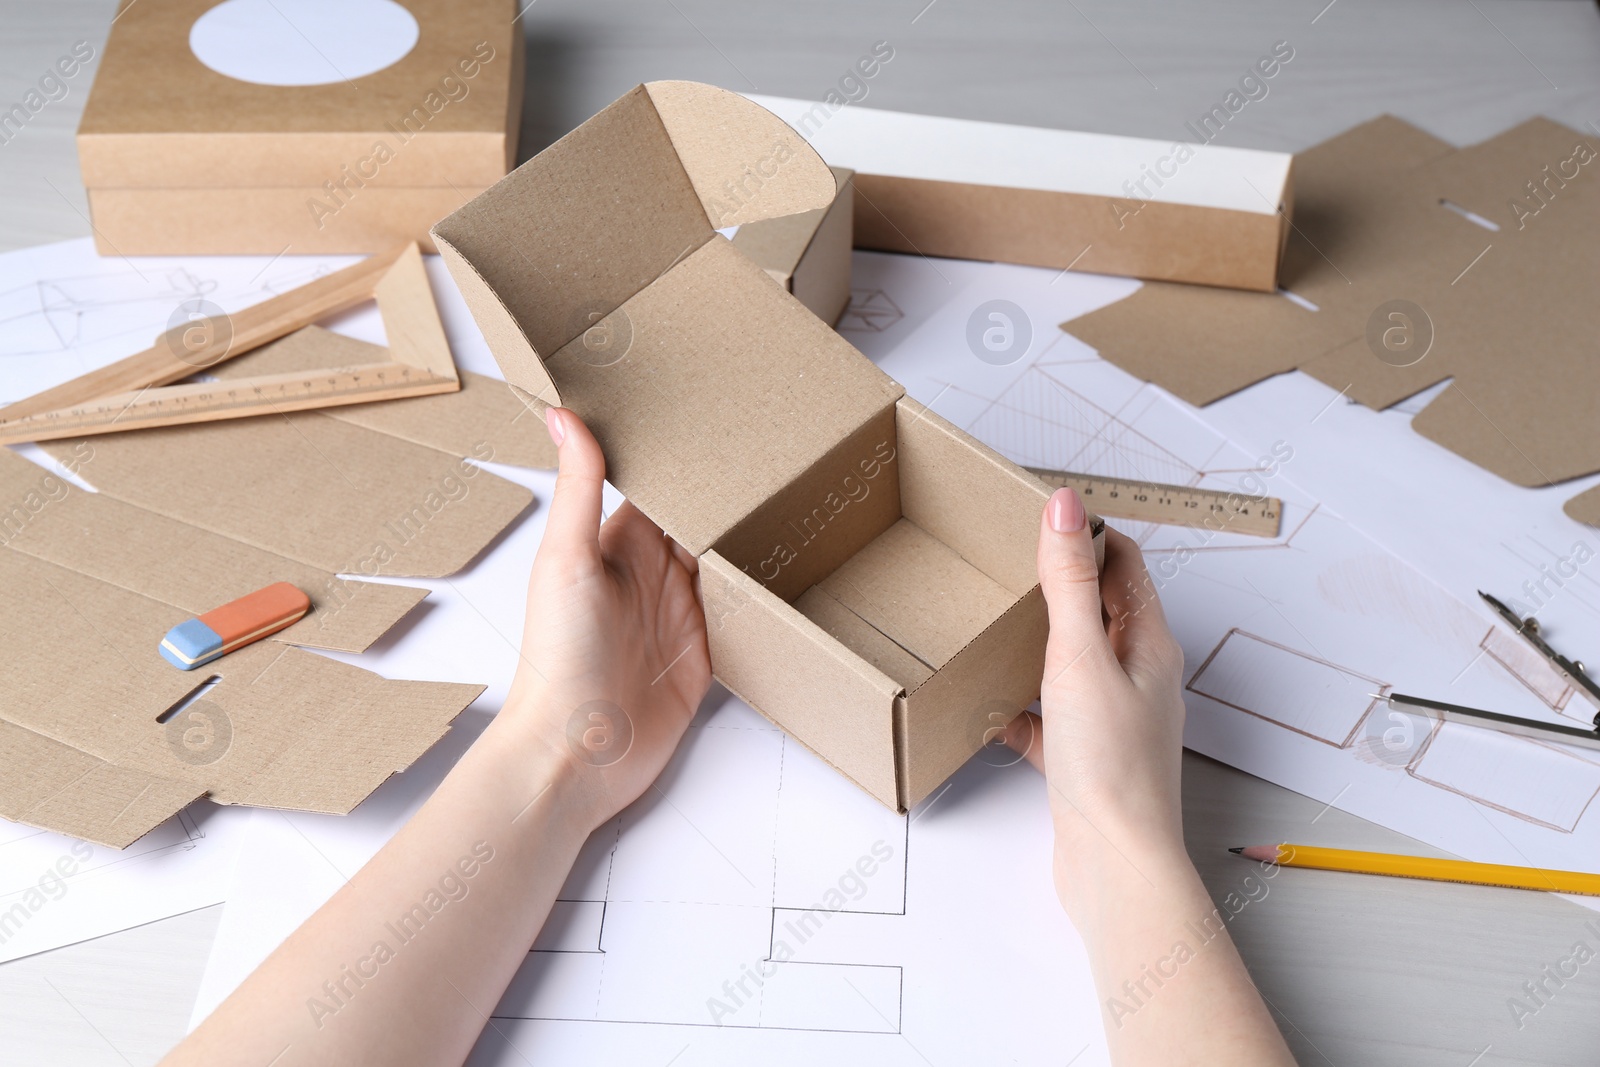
(574,521)
(1071,584)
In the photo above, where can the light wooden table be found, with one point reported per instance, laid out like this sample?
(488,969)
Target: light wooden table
(1359,972)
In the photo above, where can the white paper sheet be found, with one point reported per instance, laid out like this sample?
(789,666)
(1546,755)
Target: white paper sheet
(56,891)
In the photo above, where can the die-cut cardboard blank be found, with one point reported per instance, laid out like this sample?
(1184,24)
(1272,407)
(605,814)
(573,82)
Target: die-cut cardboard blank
(867,569)
(90,744)
(84,750)
(1509,310)
(171,561)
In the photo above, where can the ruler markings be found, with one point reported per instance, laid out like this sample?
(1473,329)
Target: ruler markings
(1177,505)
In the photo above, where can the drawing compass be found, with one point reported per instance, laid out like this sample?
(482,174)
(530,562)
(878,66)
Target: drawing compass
(1569,669)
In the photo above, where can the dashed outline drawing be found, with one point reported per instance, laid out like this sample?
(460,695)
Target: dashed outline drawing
(774,909)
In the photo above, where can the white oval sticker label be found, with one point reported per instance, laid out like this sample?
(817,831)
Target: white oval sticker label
(302,42)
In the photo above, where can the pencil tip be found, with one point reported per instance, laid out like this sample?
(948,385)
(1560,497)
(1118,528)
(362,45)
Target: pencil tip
(1236,851)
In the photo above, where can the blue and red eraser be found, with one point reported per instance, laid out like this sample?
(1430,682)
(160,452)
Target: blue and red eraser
(234,625)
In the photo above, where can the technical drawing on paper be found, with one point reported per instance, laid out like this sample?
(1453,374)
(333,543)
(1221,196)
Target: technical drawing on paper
(754,932)
(1040,421)
(1495,770)
(1337,706)
(58,315)
(1287,687)
(869,310)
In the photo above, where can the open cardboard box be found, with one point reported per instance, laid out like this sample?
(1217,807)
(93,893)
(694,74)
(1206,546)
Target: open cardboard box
(867,568)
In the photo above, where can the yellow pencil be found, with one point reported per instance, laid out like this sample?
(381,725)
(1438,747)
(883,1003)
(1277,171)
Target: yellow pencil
(1344,859)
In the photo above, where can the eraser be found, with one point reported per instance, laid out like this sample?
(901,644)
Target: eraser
(235,624)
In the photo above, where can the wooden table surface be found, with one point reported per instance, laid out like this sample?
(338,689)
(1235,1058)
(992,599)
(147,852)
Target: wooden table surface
(1359,972)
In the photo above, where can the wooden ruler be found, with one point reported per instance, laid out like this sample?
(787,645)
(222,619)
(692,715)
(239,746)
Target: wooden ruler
(177,405)
(1177,505)
(134,393)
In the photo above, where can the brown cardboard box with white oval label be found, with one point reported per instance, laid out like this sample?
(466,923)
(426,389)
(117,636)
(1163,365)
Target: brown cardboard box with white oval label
(180,159)
(867,568)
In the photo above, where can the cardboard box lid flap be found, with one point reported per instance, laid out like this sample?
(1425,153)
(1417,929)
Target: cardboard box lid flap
(745,163)
(567,238)
(709,413)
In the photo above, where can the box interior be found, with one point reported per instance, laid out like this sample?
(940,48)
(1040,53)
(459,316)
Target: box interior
(904,580)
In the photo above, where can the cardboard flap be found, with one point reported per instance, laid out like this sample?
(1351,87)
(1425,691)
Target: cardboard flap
(544,256)
(569,236)
(337,496)
(182,565)
(744,162)
(919,593)
(712,412)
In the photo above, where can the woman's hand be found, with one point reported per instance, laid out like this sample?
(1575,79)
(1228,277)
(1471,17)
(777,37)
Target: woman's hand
(613,665)
(614,659)
(1171,982)
(1112,733)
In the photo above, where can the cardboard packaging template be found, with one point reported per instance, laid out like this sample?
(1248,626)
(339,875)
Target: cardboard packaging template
(809,253)
(1056,198)
(98,735)
(867,569)
(165,559)
(96,740)
(181,160)
(1506,313)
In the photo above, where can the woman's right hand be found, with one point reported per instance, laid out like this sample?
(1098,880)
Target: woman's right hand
(1112,733)
(1173,987)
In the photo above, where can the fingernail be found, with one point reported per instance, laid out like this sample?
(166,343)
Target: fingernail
(1065,511)
(552,422)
